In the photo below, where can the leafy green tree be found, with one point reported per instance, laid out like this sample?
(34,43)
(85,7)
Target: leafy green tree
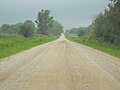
(6,28)
(44,21)
(113,15)
(16,27)
(27,29)
(11,28)
(67,31)
(56,28)
(74,31)
(81,31)
(106,26)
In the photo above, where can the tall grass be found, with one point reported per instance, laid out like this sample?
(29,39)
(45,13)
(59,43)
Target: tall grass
(100,45)
(11,44)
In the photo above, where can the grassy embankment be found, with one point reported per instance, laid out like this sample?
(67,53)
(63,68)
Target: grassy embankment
(12,44)
(102,46)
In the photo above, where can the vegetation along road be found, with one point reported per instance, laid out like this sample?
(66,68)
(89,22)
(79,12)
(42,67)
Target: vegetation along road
(60,65)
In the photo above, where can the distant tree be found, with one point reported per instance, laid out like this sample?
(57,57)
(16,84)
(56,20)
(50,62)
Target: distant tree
(44,21)
(56,28)
(74,31)
(27,28)
(16,27)
(0,30)
(67,31)
(11,28)
(6,28)
(81,32)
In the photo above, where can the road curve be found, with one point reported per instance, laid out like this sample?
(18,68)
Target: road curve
(60,65)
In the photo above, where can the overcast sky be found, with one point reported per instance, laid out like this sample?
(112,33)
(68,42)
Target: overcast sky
(71,13)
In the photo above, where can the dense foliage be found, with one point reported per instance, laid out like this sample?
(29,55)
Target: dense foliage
(10,28)
(45,25)
(44,21)
(27,29)
(105,27)
(81,31)
(56,28)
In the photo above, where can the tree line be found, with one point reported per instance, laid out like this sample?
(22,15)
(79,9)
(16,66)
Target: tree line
(44,24)
(105,26)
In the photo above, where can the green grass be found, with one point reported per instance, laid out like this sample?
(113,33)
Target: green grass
(11,44)
(102,46)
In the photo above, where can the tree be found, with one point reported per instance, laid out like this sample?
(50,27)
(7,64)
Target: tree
(106,26)
(56,28)
(11,28)
(113,15)
(27,28)
(17,27)
(44,21)
(81,31)
(6,28)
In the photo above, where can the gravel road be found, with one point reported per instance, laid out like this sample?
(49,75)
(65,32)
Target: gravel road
(60,65)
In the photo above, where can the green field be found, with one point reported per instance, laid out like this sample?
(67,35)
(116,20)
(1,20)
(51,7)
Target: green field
(102,46)
(11,44)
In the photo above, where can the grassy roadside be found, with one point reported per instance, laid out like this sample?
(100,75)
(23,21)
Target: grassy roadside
(102,46)
(10,45)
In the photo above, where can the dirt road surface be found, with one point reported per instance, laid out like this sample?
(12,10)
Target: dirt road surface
(60,65)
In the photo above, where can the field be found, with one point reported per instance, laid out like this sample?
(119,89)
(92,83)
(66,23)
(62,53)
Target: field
(11,44)
(102,46)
